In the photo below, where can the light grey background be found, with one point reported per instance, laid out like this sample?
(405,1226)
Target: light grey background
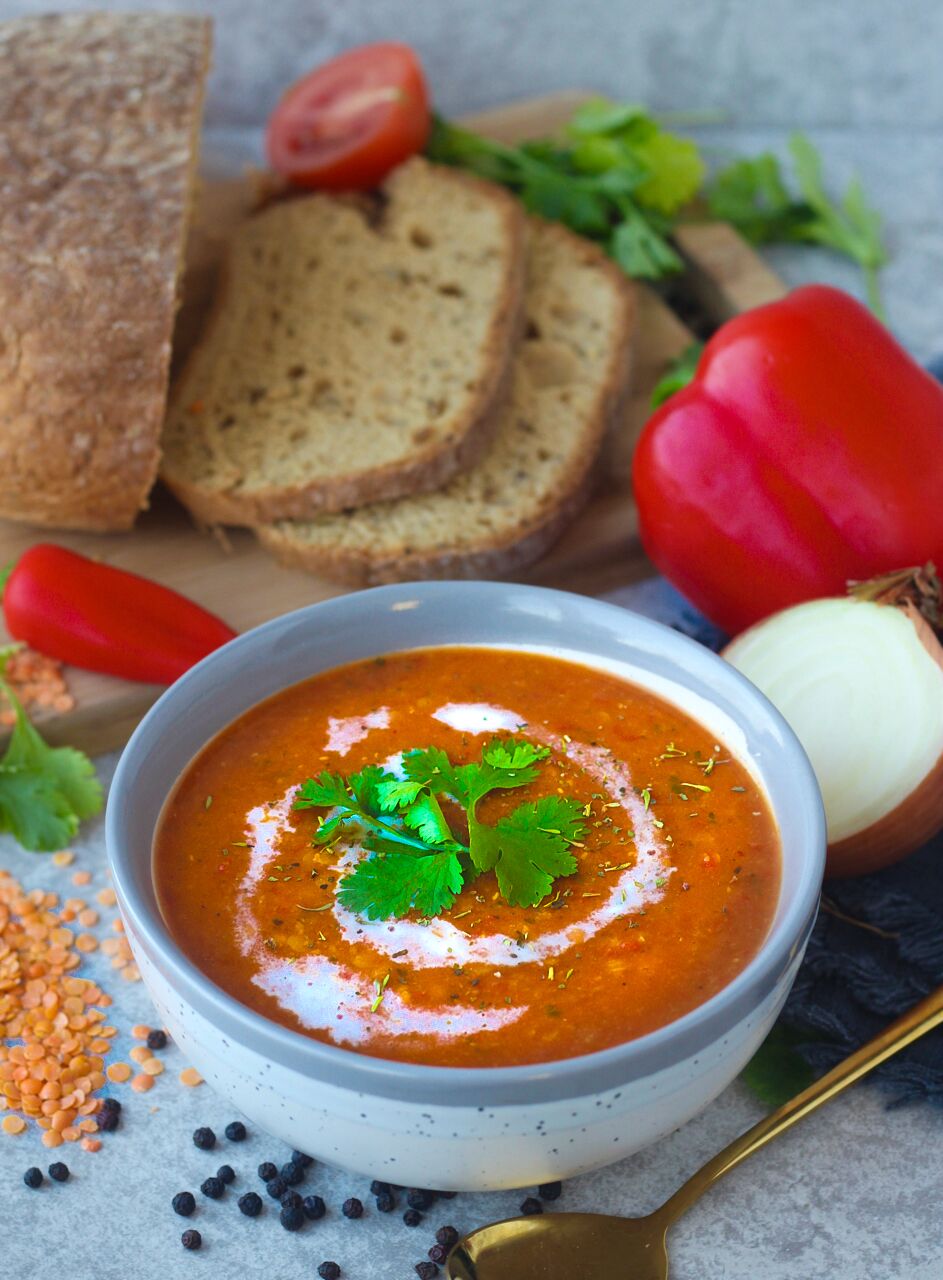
(854,1192)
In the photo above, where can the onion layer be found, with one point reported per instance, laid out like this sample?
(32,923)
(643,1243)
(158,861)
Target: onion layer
(861,684)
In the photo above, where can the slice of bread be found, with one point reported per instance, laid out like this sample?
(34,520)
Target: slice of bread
(570,379)
(356,351)
(99,124)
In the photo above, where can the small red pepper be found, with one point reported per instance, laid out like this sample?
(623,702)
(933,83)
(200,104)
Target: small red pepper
(807,452)
(105,619)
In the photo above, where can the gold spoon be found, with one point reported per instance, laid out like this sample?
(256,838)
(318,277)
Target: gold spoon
(597,1246)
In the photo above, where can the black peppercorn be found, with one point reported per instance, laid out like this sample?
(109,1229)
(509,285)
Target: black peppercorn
(267,1171)
(291,1200)
(416,1198)
(183,1203)
(378,1188)
(111,1104)
(276,1187)
(236,1131)
(157,1039)
(426,1270)
(226,1173)
(191,1239)
(352,1208)
(299,1158)
(205,1139)
(329,1271)
(213,1187)
(314,1207)
(59,1172)
(33,1178)
(530,1205)
(250,1204)
(386,1202)
(412,1217)
(550,1190)
(108,1121)
(291,1174)
(291,1218)
(438,1253)
(447,1236)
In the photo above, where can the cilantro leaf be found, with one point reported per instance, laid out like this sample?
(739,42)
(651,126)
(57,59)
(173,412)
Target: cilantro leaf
(396,793)
(676,171)
(432,768)
(530,847)
(777,1072)
(641,249)
(679,373)
(392,883)
(327,791)
(425,817)
(753,196)
(45,792)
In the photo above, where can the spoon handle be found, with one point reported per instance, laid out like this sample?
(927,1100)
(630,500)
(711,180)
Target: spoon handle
(923,1017)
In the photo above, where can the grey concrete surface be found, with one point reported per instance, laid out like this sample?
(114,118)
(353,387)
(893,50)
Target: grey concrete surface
(853,1193)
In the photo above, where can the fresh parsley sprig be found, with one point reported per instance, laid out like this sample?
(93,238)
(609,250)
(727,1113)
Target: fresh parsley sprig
(618,176)
(754,197)
(416,863)
(45,792)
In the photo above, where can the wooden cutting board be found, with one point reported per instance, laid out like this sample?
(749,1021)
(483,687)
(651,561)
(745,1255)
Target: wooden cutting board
(235,578)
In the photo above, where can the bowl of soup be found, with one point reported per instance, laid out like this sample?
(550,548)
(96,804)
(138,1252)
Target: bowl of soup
(586,984)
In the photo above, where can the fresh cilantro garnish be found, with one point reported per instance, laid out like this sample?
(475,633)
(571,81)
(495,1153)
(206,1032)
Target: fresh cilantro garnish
(45,792)
(620,178)
(753,196)
(617,177)
(415,862)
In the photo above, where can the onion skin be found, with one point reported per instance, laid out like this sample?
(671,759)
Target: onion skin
(898,833)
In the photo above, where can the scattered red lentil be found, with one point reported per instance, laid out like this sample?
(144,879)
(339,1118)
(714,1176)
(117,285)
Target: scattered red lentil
(190,1077)
(52,1032)
(38,682)
(141,1083)
(119,1072)
(81,877)
(64,858)
(152,1067)
(140,1031)
(107,897)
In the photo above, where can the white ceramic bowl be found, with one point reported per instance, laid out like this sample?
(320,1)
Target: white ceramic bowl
(463,1128)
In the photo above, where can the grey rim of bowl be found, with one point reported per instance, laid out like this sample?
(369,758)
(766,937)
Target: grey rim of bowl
(479,1087)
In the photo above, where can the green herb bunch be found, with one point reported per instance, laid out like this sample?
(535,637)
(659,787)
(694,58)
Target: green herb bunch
(619,177)
(416,863)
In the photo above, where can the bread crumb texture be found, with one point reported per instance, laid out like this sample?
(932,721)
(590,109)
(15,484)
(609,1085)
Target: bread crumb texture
(570,377)
(99,116)
(355,351)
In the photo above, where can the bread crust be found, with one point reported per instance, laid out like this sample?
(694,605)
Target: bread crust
(99,117)
(520,546)
(428,467)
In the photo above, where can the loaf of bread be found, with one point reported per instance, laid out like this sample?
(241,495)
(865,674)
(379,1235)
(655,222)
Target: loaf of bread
(358,350)
(99,121)
(570,378)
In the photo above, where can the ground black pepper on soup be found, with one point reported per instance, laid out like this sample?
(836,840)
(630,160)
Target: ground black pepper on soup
(636,867)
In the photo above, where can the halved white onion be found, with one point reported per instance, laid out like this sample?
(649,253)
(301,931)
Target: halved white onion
(861,684)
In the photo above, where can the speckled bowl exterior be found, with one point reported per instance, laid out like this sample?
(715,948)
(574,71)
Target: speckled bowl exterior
(463,1128)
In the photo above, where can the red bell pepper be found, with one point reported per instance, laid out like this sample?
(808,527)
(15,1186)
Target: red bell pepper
(807,451)
(105,619)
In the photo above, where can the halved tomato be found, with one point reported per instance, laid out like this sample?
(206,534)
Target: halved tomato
(344,126)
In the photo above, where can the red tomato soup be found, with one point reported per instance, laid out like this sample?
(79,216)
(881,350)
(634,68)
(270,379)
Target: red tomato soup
(676,871)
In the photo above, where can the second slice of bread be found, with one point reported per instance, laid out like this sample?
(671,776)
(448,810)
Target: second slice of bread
(570,378)
(356,351)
